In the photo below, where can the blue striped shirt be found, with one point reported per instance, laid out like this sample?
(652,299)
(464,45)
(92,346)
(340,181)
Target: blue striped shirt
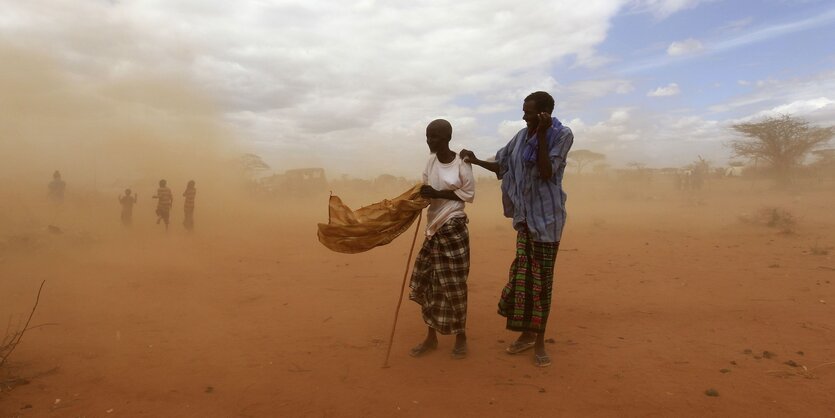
(526,198)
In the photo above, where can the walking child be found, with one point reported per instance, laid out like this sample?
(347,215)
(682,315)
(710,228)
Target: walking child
(164,201)
(127,201)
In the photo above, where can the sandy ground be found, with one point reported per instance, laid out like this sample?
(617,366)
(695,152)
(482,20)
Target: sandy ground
(660,295)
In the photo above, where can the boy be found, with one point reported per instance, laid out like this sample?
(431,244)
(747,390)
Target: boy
(439,277)
(127,202)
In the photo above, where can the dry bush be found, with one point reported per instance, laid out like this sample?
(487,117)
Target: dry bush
(12,337)
(772,217)
(817,249)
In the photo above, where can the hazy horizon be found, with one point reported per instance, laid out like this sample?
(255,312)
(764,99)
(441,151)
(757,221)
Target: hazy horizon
(350,87)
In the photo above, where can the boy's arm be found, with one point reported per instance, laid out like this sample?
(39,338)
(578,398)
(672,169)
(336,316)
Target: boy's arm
(429,192)
(463,194)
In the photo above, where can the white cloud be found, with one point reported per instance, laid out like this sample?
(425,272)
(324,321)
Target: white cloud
(801,108)
(296,74)
(655,139)
(686,47)
(671,89)
(509,128)
(798,95)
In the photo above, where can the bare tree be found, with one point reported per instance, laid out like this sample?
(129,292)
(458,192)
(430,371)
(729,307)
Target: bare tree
(783,142)
(583,157)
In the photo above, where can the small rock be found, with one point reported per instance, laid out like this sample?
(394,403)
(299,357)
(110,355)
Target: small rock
(551,341)
(791,363)
(769,354)
(712,392)
(733,362)
(747,351)
(541,390)
(801,353)
(724,370)
(209,389)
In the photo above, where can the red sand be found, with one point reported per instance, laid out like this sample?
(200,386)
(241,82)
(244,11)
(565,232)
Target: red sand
(656,293)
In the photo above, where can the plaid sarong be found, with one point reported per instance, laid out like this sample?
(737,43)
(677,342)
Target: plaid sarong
(439,278)
(526,298)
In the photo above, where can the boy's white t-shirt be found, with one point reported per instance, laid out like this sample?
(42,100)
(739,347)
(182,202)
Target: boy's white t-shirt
(456,176)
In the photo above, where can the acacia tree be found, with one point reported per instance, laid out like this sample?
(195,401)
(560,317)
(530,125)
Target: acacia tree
(783,142)
(583,157)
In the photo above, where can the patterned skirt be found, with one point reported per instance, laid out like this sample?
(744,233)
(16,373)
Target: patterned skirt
(526,298)
(439,278)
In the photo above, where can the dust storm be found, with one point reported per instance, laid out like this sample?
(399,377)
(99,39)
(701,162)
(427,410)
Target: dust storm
(663,292)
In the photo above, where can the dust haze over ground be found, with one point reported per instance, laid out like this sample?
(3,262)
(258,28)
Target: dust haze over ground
(104,135)
(661,294)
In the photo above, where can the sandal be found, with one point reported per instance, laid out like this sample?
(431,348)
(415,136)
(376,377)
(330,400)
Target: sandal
(519,346)
(542,360)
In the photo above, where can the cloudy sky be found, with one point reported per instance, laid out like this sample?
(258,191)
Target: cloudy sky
(350,85)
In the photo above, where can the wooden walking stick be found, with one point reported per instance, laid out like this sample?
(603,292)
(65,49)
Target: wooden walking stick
(402,288)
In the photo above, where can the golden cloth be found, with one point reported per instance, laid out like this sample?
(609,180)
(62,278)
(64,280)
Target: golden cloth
(354,231)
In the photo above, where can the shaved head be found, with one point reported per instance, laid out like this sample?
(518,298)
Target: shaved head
(441,128)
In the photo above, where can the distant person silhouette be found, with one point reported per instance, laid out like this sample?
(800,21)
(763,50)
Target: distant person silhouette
(127,200)
(57,187)
(188,205)
(164,201)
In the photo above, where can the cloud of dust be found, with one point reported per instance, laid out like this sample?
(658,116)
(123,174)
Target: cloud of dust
(105,135)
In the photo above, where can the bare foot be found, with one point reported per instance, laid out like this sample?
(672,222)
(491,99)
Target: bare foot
(460,349)
(423,348)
